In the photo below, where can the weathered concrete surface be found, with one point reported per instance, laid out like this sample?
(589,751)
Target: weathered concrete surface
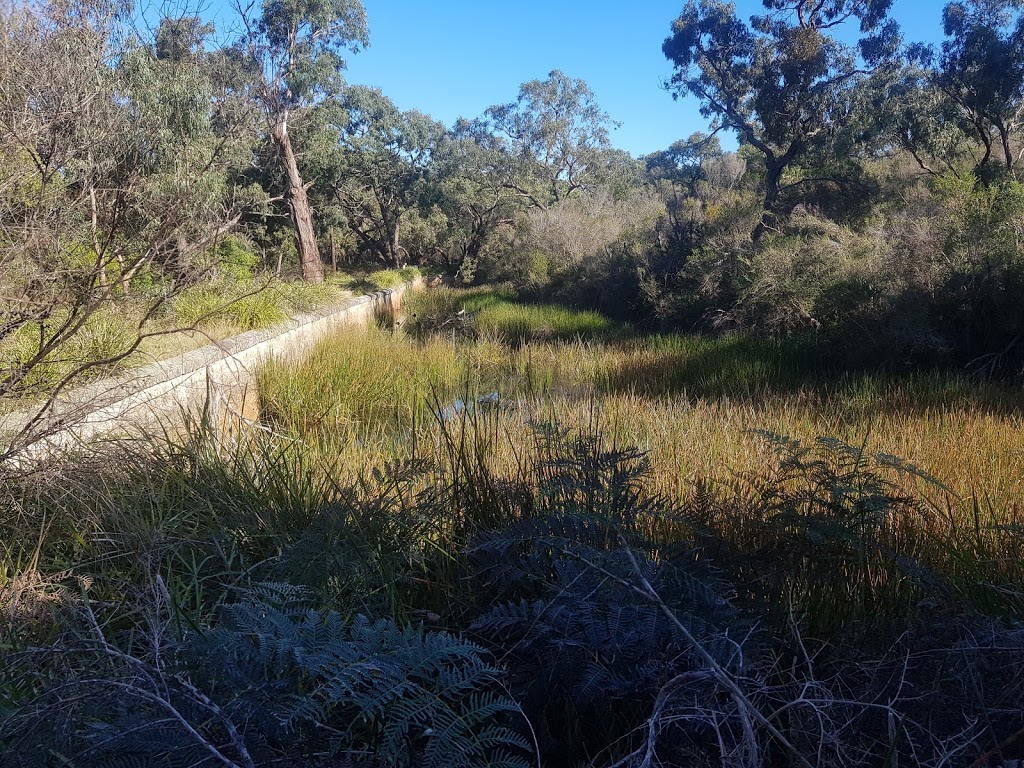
(220,376)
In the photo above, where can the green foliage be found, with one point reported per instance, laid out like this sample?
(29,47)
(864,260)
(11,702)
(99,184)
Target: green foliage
(517,323)
(980,69)
(370,692)
(475,192)
(555,132)
(284,250)
(377,169)
(303,589)
(587,652)
(734,70)
(236,259)
(260,309)
(247,307)
(303,297)
(826,503)
(300,42)
(305,608)
(106,335)
(286,683)
(378,384)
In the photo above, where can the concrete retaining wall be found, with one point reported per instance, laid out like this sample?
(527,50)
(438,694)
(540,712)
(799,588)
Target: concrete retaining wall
(221,376)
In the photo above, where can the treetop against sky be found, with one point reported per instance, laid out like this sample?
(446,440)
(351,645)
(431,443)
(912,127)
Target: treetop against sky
(455,58)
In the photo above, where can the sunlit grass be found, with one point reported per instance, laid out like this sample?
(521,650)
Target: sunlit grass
(497,314)
(370,399)
(458,413)
(199,315)
(383,459)
(689,401)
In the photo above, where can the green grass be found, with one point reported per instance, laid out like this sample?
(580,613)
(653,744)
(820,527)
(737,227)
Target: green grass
(105,334)
(383,279)
(692,403)
(243,306)
(392,278)
(688,400)
(497,314)
(363,485)
(517,324)
(208,312)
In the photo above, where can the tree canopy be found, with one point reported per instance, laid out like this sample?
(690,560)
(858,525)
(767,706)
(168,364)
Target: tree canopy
(555,131)
(981,68)
(781,81)
(297,47)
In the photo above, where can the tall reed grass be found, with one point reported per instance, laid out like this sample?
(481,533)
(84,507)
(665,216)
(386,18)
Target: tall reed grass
(486,482)
(691,402)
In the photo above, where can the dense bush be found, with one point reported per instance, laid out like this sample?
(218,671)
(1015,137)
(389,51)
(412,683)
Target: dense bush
(443,612)
(274,680)
(926,276)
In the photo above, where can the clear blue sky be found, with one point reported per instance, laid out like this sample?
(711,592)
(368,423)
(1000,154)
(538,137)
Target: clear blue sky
(452,58)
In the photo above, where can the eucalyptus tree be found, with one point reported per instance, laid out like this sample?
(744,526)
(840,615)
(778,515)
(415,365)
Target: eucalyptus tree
(110,159)
(472,172)
(377,171)
(981,68)
(194,134)
(297,48)
(182,38)
(906,110)
(782,82)
(555,133)
(676,173)
(618,171)
(682,164)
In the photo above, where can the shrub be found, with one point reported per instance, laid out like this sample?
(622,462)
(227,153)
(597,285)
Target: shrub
(247,308)
(274,681)
(609,283)
(236,259)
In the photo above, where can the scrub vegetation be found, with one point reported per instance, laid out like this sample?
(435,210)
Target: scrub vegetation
(710,457)
(506,533)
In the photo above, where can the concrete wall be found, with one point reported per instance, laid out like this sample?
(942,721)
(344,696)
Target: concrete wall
(219,376)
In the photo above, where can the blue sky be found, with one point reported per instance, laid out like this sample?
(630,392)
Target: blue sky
(452,58)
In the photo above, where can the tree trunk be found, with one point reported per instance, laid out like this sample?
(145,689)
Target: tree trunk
(125,274)
(477,237)
(395,247)
(986,140)
(101,262)
(771,199)
(1004,136)
(387,243)
(298,203)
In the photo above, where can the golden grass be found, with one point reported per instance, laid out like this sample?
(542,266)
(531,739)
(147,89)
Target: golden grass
(366,397)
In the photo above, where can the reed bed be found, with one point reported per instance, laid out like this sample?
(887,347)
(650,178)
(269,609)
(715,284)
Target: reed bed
(691,403)
(699,408)
(480,478)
